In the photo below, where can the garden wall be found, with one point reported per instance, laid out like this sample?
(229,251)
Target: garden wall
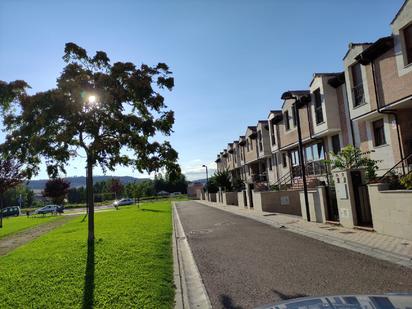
(286,202)
(391,210)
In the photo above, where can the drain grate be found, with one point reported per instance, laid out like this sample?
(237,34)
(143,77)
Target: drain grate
(224,223)
(200,232)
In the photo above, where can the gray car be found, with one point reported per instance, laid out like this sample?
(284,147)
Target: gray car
(123,201)
(49,209)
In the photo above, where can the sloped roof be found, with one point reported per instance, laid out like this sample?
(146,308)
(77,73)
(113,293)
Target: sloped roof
(337,80)
(274,112)
(323,74)
(381,46)
(352,45)
(399,12)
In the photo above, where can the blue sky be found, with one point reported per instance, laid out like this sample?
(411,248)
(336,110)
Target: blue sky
(231,59)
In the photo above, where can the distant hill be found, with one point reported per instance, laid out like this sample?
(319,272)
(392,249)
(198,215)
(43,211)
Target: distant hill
(80,181)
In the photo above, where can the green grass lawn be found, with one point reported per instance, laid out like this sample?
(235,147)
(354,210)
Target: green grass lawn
(130,266)
(12,225)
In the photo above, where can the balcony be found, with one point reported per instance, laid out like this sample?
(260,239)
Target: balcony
(313,168)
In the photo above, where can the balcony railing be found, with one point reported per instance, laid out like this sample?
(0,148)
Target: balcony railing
(358,94)
(314,168)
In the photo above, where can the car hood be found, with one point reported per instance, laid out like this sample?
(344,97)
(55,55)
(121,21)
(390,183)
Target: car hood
(391,300)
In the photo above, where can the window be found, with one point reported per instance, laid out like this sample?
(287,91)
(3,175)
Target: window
(407,34)
(272,137)
(379,132)
(294,115)
(309,154)
(247,144)
(318,106)
(251,144)
(357,83)
(284,160)
(287,120)
(260,140)
(270,164)
(294,156)
(321,151)
(335,144)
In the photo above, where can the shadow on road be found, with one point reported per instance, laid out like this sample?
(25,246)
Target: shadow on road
(88,293)
(227,302)
(285,296)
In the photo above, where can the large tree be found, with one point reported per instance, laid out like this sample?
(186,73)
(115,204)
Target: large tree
(110,112)
(10,176)
(56,189)
(115,186)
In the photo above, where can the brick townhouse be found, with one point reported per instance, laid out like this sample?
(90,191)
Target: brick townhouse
(368,105)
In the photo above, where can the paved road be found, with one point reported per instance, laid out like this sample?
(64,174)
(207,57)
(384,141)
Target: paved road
(245,263)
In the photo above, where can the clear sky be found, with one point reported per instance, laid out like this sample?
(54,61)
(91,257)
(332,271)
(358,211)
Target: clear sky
(231,59)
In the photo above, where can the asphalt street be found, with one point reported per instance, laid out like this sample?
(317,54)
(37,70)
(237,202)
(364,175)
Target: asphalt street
(245,263)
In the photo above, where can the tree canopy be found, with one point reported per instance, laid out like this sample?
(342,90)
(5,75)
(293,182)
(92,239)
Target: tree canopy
(98,108)
(56,189)
(127,112)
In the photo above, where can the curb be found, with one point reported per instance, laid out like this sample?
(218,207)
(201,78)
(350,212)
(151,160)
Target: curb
(190,290)
(346,244)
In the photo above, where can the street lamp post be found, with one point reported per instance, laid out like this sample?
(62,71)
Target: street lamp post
(299,101)
(207,178)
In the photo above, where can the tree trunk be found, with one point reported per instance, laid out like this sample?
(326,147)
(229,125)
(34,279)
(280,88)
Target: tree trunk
(90,198)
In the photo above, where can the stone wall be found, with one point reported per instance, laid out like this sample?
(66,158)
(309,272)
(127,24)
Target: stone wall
(317,204)
(241,200)
(230,198)
(391,211)
(212,197)
(286,202)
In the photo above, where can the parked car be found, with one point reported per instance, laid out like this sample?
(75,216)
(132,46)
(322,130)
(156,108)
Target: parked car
(49,209)
(175,193)
(123,201)
(13,211)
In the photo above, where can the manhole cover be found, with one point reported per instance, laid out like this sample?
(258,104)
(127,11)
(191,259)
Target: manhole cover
(200,232)
(331,229)
(346,232)
(224,223)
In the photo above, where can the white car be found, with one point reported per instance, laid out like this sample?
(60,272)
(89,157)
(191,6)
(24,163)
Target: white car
(123,201)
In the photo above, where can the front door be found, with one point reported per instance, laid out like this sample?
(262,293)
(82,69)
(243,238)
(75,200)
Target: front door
(363,208)
(251,187)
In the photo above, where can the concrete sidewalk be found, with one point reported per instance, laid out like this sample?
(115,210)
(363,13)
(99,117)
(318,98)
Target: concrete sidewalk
(392,249)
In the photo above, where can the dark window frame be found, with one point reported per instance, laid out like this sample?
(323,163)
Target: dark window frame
(378,127)
(284,160)
(358,90)
(408,43)
(336,147)
(273,131)
(318,106)
(287,121)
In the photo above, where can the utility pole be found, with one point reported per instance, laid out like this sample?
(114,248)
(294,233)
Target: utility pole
(301,160)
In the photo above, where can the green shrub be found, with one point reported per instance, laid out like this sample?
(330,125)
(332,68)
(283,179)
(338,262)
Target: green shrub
(406,181)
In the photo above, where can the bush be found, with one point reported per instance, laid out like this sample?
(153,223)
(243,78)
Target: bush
(351,157)
(406,181)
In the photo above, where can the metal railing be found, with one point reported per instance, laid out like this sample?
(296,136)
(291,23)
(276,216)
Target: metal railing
(313,168)
(402,168)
